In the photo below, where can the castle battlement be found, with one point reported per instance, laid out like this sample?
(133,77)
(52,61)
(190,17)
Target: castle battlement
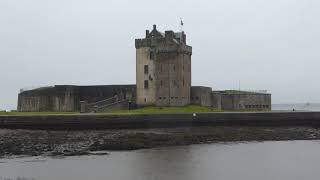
(168,42)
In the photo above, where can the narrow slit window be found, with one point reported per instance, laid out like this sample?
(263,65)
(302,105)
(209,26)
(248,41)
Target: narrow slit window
(146,84)
(146,69)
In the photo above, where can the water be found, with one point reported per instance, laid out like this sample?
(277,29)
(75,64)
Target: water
(298,107)
(286,160)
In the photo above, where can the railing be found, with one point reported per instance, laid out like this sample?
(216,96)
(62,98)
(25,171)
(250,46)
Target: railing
(109,105)
(103,104)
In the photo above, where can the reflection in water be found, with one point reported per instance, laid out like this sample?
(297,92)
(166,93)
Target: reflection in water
(165,163)
(287,160)
(17,178)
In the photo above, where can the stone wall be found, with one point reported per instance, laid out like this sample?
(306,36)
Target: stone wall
(201,95)
(243,100)
(93,94)
(173,75)
(66,98)
(216,100)
(162,120)
(145,96)
(47,99)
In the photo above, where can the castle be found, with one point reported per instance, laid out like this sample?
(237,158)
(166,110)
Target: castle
(163,74)
(163,78)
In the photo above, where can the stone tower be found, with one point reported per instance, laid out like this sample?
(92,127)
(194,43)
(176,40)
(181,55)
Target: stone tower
(163,69)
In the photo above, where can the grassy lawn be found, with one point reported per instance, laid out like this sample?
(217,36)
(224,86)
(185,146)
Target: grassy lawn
(14,113)
(144,110)
(159,110)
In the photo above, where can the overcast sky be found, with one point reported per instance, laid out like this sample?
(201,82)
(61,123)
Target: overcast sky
(264,44)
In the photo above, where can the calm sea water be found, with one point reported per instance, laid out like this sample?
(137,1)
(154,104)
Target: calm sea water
(298,107)
(286,160)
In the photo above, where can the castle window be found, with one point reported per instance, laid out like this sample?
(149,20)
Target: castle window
(183,82)
(174,68)
(146,84)
(146,69)
(161,83)
(145,99)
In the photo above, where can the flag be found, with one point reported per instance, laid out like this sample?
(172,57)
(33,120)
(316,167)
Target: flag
(181,22)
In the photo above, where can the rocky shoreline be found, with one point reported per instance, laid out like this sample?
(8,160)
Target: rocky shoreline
(87,142)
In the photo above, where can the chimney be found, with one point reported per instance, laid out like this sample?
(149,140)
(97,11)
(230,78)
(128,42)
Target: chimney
(184,38)
(169,34)
(154,27)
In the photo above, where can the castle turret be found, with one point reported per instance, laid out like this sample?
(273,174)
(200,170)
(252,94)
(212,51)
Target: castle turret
(163,65)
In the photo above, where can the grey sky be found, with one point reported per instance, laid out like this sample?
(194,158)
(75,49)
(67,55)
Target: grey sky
(267,44)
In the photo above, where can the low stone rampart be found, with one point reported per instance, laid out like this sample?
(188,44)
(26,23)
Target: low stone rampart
(67,98)
(161,120)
